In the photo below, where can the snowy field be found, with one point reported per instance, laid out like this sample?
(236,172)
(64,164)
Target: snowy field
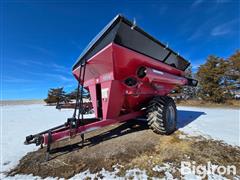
(21,120)
(216,123)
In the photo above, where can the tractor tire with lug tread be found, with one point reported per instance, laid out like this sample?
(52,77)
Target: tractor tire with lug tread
(162,115)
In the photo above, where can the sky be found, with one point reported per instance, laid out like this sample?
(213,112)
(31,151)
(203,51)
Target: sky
(41,40)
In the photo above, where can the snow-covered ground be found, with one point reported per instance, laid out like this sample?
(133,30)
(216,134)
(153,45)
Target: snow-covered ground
(18,121)
(217,123)
(21,120)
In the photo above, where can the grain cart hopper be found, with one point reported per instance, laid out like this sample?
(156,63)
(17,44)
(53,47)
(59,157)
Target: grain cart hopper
(128,74)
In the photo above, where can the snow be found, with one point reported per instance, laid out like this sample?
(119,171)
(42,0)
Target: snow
(167,168)
(216,123)
(18,121)
(134,174)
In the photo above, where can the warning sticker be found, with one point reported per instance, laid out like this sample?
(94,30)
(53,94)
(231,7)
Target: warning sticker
(105,93)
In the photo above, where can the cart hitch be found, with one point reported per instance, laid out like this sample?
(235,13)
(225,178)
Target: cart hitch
(34,139)
(38,138)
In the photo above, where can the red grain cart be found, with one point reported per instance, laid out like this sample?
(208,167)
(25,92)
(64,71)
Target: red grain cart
(128,74)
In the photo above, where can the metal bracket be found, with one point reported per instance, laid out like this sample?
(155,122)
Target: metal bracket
(49,145)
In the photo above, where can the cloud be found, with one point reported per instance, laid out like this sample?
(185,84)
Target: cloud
(42,50)
(223,1)
(46,72)
(30,62)
(196,34)
(64,78)
(17,80)
(58,67)
(200,30)
(224,28)
(53,75)
(52,66)
(40,76)
(196,3)
(207,28)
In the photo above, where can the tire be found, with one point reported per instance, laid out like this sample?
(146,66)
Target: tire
(162,115)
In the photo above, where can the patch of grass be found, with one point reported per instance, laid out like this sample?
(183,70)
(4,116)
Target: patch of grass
(141,149)
(173,150)
(201,103)
(170,149)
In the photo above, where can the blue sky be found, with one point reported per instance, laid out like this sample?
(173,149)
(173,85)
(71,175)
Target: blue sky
(41,40)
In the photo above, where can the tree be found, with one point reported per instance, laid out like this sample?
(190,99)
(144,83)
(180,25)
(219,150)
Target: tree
(232,73)
(56,95)
(73,94)
(211,80)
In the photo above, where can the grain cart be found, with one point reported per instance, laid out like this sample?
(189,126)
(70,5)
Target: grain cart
(128,74)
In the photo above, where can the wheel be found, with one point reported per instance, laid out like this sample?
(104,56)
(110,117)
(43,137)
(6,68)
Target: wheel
(162,115)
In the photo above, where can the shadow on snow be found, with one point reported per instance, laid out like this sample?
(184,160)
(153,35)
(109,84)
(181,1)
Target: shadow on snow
(184,118)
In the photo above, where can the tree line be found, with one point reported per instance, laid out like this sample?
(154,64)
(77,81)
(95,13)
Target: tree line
(58,95)
(218,81)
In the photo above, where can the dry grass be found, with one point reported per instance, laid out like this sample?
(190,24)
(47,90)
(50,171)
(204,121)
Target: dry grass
(21,102)
(227,104)
(172,149)
(141,149)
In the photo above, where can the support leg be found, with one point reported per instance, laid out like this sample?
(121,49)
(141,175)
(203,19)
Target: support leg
(82,136)
(49,145)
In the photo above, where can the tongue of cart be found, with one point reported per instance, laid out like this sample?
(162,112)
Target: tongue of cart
(123,68)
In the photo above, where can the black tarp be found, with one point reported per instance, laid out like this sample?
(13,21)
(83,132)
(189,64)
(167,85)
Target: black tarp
(123,32)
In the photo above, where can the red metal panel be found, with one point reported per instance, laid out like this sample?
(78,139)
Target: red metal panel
(112,65)
(112,98)
(93,94)
(122,62)
(101,63)
(127,61)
